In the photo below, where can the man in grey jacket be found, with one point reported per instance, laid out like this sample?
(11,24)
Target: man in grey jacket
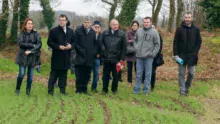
(147,45)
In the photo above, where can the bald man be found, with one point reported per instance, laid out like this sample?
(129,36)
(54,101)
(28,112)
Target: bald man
(113,46)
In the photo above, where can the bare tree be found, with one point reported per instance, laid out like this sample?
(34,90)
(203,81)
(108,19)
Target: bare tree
(156,7)
(3,21)
(180,7)
(14,25)
(171,15)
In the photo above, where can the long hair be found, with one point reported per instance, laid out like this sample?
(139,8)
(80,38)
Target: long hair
(23,29)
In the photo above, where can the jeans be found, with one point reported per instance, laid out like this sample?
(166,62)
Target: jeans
(96,65)
(22,71)
(143,64)
(185,85)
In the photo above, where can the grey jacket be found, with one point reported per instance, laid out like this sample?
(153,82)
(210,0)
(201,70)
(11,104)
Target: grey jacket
(146,43)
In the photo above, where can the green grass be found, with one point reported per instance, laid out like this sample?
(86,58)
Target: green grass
(162,106)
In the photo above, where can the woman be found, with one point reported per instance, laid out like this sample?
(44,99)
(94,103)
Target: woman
(158,61)
(29,42)
(130,56)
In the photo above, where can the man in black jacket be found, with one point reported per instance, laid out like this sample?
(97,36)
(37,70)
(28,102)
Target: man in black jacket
(113,46)
(186,45)
(85,41)
(61,39)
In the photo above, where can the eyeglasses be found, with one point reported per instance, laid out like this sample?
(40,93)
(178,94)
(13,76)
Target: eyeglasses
(97,26)
(62,20)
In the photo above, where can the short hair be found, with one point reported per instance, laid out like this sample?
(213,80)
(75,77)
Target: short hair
(135,21)
(148,18)
(188,13)
(63,16)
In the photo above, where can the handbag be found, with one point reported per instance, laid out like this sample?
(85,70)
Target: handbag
(130,49)
(159,60)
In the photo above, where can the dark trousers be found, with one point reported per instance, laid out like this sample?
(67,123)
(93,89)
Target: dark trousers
(61,75)
(107,69)
(153,77)
(130,65)
(82,78)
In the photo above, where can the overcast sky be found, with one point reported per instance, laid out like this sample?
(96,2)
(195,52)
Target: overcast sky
(99,8)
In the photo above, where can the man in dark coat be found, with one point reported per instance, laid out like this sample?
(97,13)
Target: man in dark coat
(85,42)
(61,39)
(113,46)
(186,45)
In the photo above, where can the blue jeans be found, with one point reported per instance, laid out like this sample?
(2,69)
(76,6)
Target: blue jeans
(22,71)
(96,65)
(143,64)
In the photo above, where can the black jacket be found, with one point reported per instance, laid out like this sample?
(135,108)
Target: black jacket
(60,58)
(32,42)
(85,46)
(187,43)
(113,46)
(98,45)
(159,52)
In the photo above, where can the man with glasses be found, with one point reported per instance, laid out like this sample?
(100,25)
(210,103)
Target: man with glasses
(96,63)
(113,46)
(61,39)
(85,45)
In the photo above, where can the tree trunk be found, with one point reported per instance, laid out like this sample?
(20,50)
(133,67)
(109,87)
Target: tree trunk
(112,10)
(179,12)
(14,27)
(127,13)
(24,10)
(157,11)
(3,22)
(48,13)
(171,15)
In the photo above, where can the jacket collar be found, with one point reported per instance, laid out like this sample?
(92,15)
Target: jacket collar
(185,26)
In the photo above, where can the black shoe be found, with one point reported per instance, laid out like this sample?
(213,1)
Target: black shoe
(64,93)
(152,89)
(51,94)
(114,92)
(120,80)
(187,92)
(182,94)
(17,92)
(28,92)
(95,91)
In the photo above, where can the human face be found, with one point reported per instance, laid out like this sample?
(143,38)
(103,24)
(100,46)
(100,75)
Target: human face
(114,25)
(188,19)
(147,23)
(62,21)
(134,27)
(96,28)
(29,26)
(87,24)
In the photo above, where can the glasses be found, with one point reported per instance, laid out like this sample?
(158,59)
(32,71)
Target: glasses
(97,26)
(62,20)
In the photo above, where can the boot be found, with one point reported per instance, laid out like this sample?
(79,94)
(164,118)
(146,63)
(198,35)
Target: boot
(28,92)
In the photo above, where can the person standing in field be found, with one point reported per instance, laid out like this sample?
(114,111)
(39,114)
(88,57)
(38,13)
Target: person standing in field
(186,45)
(130,53)
(113,46)
(61,39)
(85,47)
(147,45)
(29,42)
(96,63)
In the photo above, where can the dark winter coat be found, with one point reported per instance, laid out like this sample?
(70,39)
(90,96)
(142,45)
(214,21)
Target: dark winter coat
(187,43)
(60,59)
(113,46)
(29,41)
(85,46)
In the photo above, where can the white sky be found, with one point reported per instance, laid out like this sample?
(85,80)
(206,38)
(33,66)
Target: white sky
(99,8)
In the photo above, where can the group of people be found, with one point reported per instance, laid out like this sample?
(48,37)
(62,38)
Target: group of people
(141,47)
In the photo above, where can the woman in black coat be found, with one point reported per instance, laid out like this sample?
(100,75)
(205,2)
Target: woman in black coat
(28,56)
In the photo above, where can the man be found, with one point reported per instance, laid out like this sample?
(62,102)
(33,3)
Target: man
(61,39)
(186,45)
(113,45)
(96,63)
(85,45)
(147,45)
